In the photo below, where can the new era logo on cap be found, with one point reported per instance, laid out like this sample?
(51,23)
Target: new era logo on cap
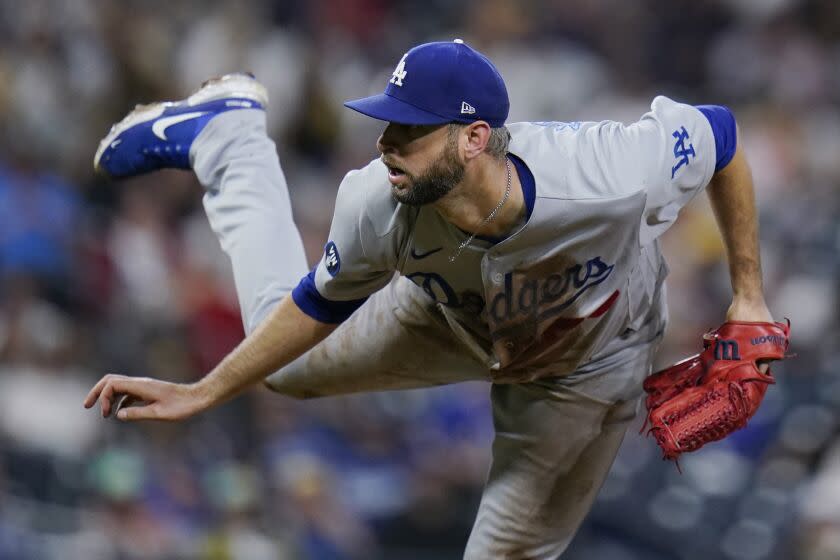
(440,77)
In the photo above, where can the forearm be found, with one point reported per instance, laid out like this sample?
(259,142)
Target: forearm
(283,336)
(732,197)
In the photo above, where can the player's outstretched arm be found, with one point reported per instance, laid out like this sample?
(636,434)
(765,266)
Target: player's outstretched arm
(285,334)
(708,396)
(732,197)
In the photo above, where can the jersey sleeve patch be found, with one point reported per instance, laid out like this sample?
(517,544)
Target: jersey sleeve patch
(332,260)
(311,302)
(723,127)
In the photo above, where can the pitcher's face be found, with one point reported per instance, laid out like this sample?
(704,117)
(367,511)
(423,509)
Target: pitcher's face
(422,162)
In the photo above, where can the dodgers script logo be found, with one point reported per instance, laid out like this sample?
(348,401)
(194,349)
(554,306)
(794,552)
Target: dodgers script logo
(533,299)
(399,72)
(680,151)
(540,299)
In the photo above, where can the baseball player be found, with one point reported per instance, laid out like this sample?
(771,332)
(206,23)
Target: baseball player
(525,255)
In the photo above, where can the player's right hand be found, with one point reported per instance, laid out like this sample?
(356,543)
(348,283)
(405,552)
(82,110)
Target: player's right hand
(151,399)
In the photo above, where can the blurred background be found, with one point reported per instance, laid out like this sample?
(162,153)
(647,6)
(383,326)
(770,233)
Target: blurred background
(99,277)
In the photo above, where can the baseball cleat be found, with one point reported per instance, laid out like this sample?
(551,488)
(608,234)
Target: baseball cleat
(160,135)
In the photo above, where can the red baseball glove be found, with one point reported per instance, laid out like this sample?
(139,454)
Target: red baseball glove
(706,397)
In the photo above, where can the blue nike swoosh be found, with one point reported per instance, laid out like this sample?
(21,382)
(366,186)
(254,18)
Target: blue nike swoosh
(424,255)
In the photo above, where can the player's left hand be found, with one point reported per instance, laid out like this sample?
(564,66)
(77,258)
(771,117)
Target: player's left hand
(147,399)
(707,396)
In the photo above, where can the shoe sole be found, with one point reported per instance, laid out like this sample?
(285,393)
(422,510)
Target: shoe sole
(229,86)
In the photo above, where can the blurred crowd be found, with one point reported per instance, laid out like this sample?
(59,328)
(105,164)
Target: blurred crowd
(98,277)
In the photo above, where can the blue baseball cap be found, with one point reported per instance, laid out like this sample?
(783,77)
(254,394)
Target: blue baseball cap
(437,83)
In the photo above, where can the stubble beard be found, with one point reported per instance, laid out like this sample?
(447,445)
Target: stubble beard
(442,175)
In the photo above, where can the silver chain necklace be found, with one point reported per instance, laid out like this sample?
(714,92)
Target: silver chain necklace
(489,217)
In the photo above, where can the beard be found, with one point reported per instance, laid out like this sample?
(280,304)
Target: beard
(440,177)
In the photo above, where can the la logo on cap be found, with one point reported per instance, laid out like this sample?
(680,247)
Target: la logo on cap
(399,72)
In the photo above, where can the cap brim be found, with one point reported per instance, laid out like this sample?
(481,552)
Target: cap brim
(386,108)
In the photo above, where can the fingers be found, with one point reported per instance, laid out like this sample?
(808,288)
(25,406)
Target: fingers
(93,396)
(142,398)
(763,365)
(112,387)
(132,413)
(106,397)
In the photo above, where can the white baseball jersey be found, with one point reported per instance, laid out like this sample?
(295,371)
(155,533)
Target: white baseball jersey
(580,271)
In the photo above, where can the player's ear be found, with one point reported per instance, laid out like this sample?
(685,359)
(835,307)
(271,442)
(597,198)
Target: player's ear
(476,136)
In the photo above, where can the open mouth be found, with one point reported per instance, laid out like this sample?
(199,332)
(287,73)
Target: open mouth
(395,174)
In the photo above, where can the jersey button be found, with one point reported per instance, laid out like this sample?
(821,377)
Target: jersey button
(498,278)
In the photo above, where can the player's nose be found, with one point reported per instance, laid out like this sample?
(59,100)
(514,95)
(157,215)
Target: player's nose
(388,141)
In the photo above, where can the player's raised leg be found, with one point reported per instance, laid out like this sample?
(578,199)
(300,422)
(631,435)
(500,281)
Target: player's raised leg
(396,340)
(220,133)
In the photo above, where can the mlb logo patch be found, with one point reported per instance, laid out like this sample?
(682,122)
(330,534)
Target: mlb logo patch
(331,258)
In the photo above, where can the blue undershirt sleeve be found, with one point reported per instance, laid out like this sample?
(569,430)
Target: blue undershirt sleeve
(311,302)
(724,130)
